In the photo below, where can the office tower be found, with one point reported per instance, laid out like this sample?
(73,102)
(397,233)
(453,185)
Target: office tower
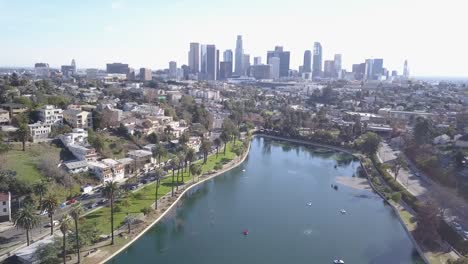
(306,67)
(275,67)
(329,69)
(227,55)
(172,69)
(217,63)
(73,64)
(42,69)
(394,73)
(131,74)
(359,71)
(194,57)
(377,69)
(260,71)
(202,62)
(369,67)
(91,74)
(283,56)
(338,68)
(145,74)
(117,68)
(225,70)
(257,60)
(185,71)
(406,73)
(246,65)
(239,56)
(317,60)
(211,62)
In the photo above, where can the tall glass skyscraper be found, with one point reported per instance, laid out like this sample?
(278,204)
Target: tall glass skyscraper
(306,67)
(317,63)
(239,56)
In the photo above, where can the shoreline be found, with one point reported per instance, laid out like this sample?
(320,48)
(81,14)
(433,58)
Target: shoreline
(174,203)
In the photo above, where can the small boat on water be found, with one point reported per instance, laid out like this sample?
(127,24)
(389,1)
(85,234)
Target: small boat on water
(245,232)
(243,170)
(309,204)
(343,211)
(338,261)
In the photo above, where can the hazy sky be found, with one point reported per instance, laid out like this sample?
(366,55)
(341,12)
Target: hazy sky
(431,34)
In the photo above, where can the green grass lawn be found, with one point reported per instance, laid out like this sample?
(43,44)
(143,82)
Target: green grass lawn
(145,197)
(25,162)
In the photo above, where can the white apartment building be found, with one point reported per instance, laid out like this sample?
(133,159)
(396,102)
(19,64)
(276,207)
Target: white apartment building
(78,118)
(107,170)
(49,114)
(77,143)
(5,207)
(39,131)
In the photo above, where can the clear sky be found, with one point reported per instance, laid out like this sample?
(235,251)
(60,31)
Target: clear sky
(431,34)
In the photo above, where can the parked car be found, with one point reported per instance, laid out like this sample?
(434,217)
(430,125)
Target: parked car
(54,223)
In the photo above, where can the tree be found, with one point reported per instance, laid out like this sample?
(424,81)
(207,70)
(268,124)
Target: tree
(129,220)
(110,191)
(217,142)
(25,218)
(195,169)
(40,189)
(369,143)
(205,149)
(50,204)
(22,134)
(428,223)
(153,138)
(75,213)
(181,158)
(422,131)
(47,254)
(225,138)
(189,157)
(184,138)
(158,152)
(65,225)
(174,164)
(96,141)
(158,174)
(398,163)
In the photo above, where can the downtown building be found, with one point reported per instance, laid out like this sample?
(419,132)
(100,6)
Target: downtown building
(239,56)
(145,74)
(283,57)
(317,61)
(194,58)
(117,68)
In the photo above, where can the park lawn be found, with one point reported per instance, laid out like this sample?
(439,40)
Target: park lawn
(25,162)
(144,197)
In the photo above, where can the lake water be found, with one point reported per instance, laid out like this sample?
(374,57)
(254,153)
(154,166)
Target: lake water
(285,200)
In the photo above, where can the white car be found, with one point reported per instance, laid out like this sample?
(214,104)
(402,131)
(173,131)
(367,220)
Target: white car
(55,223)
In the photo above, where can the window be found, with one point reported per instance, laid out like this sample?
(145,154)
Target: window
(4,210)
(4,203)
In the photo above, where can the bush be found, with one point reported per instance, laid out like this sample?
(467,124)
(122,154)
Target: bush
(117,209)
(218,166)
(147,210)
(396,197)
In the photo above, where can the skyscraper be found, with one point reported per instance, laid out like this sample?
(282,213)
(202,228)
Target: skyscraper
(117,68)
(202,62)
(239,56)
(283,56)
(257,60)
(211,62)
(406,70)
(317,63)
(329,69)
(275,67)
(73,64)
(306,67)
(245,65)
(377,69)
(225,70)
(337,64)
(217,64)
(227,55)
(172,69)
(145,74)
(369,69)
(194,57)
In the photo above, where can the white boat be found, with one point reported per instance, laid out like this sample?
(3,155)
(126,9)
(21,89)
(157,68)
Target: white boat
(343,211)
(243,170)
(338,261)
(309,204)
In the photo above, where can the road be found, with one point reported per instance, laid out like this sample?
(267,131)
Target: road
(421,186)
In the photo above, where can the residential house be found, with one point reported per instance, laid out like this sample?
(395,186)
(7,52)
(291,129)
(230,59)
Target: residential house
(141,157)
(49,114)
(4,117)
(110,116)
(76,166)
(5,207)
(39,131)
(14,109)
(78,118)
(77,143)
(107,170)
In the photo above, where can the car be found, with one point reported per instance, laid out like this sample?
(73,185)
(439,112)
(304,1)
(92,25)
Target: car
(101,202)
(144,181)
(54,223)
(457,226)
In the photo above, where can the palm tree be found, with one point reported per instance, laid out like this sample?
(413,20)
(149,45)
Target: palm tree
(205,148)
(217,143)
(189,157)
(225,138)
(129,219)
(64,227)
(158,152)
(196,169)
(181,158)
(40,189)
(174,163)
(110,191)
(25,218)
(50,204)
(23,134)
(158,173)
(75,213)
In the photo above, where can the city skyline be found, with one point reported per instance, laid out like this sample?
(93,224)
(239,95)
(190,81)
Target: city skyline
(49,33)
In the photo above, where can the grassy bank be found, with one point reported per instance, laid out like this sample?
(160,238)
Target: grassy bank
(145,197)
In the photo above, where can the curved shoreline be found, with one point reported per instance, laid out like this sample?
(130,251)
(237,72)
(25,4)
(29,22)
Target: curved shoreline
(234,165)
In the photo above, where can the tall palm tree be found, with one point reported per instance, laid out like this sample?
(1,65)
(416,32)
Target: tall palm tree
(196,170)
(225,138)
(50,204)
(205,148)
(25,218)
(110,191)
(174,164)
(158,173)
(217,142)
(189,157)
(75,212)
(181,157)
(40,189)
(158,152)
(23,134)
(65,225)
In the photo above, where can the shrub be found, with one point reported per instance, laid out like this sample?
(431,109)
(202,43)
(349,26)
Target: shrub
(147,210)
(396,197)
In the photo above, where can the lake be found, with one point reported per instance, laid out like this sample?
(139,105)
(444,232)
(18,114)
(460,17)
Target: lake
(282,195)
